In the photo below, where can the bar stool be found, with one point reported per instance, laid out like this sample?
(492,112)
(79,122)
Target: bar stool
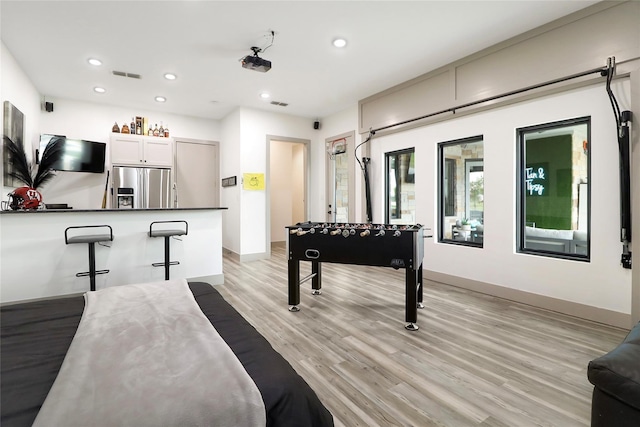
(91,239)
(167,233)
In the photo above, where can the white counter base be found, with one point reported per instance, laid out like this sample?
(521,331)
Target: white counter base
(36,263)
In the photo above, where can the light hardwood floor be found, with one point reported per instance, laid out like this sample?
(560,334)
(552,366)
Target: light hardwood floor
(476,360)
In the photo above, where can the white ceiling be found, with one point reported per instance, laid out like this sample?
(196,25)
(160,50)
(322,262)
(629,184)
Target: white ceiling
(202,42)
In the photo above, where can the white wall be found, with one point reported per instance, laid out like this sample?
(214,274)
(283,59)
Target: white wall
(255,127)
(602,282)
(16,88)
(83,120)
(230,166)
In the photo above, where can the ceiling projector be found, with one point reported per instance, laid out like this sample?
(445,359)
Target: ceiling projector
(254,62)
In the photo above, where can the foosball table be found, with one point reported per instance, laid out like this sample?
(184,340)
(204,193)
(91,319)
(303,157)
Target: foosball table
(380,245)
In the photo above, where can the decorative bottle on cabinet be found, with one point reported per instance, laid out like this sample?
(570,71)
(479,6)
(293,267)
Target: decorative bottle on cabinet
(166,131)
(125,128)
(132,126)
(161,131)
(150,132)
(156,132)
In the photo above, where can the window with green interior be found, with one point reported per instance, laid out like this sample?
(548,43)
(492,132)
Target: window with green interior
(400,200)
(461,191)
(553,189)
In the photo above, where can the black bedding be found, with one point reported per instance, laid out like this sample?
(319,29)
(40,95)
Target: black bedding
(35,337)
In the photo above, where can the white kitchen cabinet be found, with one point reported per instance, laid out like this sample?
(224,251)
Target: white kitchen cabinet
(137,150)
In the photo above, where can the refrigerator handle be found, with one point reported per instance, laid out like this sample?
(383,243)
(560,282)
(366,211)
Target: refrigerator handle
(143,183)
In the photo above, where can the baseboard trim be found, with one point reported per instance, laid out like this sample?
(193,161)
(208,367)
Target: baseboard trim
(254,257)
(245,257)
(231,254)
(595,314)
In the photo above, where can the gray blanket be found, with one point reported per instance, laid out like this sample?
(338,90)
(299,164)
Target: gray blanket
(145,355)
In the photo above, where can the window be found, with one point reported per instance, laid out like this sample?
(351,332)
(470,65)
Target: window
(461,191)
(553,189)
(400,184)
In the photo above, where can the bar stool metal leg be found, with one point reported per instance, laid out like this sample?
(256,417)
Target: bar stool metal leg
(92,265)
(91,240)
(167,234)
(167,257)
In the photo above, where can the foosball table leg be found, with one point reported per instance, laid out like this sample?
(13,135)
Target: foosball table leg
(420,304)
(316,282)
(411,327)
(294,286)
(411,299)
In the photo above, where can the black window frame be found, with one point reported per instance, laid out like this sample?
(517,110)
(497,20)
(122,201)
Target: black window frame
(521,194)
(441,203)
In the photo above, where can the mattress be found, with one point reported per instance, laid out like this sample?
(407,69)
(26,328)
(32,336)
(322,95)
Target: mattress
(35,337)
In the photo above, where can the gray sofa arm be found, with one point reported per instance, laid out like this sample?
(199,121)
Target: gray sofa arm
(617,373)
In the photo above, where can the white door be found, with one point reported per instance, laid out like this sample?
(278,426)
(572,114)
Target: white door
(197,174)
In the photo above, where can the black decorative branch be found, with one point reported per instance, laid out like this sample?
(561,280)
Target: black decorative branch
(22,169)
(50,156)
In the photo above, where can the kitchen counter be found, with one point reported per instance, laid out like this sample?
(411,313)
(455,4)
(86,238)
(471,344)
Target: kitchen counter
(109,210)
(36,262)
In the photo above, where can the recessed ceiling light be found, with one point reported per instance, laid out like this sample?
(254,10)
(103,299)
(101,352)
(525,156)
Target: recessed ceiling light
(160,99)
(94,61)
(99,89)
(265,95)
(170,76)
(339,42)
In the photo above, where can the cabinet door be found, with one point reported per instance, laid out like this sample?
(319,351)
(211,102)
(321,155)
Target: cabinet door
(126,151)
(158,152)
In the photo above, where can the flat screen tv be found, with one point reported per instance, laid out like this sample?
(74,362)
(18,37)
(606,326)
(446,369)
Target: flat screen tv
(78,155)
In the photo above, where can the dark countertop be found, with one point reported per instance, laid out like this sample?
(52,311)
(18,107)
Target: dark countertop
(111,210)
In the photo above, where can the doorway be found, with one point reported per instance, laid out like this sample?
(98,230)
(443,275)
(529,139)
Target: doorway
(340,173)
(197,174)
(288,181)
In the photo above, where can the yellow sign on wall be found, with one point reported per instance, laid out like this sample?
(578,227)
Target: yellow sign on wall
(253,181)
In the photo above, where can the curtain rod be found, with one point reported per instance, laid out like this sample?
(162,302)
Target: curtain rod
(601,70)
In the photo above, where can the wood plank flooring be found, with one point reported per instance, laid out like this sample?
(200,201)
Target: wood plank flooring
(476,360)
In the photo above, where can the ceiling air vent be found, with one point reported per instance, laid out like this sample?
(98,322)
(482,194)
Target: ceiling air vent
(282,104)
(123,74)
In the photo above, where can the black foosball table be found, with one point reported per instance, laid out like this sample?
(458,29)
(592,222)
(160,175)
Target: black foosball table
(380,245)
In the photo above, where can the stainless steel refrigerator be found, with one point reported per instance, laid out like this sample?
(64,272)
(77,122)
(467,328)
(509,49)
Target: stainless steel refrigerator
(140,188)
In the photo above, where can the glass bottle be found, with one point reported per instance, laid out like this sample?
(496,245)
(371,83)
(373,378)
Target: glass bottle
(166,131)
(132,126)
(125,128)
(156,132)
(161,131)
(150,131)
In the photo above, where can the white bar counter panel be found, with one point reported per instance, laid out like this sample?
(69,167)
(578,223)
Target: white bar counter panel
(36,262)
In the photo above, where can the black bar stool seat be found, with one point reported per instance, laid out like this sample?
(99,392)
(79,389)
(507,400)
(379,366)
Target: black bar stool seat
(167,234)
(91,240)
